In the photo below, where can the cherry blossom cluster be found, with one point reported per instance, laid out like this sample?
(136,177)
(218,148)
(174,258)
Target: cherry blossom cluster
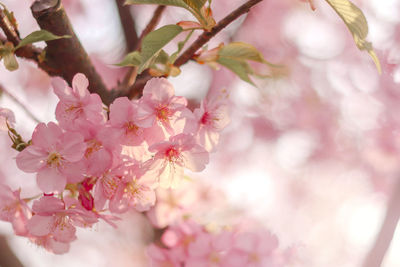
(97,162)
(190,244)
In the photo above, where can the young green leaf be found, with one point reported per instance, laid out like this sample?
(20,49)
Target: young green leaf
(241,51)
(39,36)
(155,41)
(357,24)
(178,3)
(7,54)
(10,62)
(241,68)
(195,4)
(132,59)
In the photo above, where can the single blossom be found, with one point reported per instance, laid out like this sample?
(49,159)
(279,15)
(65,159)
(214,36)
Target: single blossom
(181,151)
(125,122)
(159,104)
(77,105)
(212,117)
(135,191)
(53,155)
(13,209)
(57,218)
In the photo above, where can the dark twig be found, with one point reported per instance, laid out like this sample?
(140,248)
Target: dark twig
(27,51)
(8,29)
(375,256)
(66,57)
(131,75)
(152,24)
(128,25)
(137,88)
(206,36)
(7,256)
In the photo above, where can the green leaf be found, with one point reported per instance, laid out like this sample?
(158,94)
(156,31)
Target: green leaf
(181,44)
(39,36)
(357,24)
(241,51)
(162,58)
(10,62)
(241,68)
(195,4)
(155,41)
(178,3)
(132,59)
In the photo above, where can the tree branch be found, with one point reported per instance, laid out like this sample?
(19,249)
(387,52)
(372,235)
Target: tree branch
(11,33)
(131,75)
(66,57)
(128,25)
(137,88)
(152,24)
(7,256)
(206,36)
(376,254)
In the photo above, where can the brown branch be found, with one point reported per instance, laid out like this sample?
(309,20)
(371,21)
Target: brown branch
(206,36)
(66,57)
(131,75)
(8,29)
(7,256)
(136,90)
(152,24)
(128,25)
(376,254)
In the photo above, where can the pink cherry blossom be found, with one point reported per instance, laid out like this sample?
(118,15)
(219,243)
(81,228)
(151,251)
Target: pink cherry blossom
(253,249)
(107,185)
(173,204)
(55,218)
(125,122)
(159,104)
(134,191)
(181,151)
(13,209)
(208,250)
(50,244)
(76,104)
(212,117)
(162,257)
(52,155)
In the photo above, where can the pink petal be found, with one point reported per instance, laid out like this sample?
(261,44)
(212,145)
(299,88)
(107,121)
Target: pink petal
(47,205)
(246,242)
(72,146)
(80,84)
(46,136)
(50,180)
(195,159)
(64,232)
(160,89)
(40,225)
(201,247)
(58,247)
(31,159)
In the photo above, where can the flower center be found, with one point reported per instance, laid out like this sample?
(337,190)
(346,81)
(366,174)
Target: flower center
(54,159)
(131,128)
(172,154)
(163,113)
